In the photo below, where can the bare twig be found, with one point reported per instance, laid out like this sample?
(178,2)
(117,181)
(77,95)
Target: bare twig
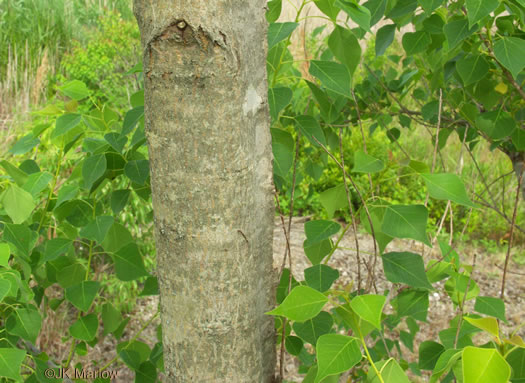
(354,225)
(509,246)
(370,278)
(363,137)
(484,202)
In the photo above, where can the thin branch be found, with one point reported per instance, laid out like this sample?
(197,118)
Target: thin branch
(354,225)
(485,203)
(371,277)
(509,247)
(363,137)
(437,131)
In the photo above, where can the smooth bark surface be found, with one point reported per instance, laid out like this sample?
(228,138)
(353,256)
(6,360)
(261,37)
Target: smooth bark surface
(207,125)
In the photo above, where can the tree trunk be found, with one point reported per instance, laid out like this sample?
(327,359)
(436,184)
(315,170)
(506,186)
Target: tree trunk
(207,125)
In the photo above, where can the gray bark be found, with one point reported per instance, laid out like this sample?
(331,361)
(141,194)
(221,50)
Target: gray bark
(207,126)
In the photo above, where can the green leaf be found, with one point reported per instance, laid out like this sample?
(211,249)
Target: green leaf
(364,163)
(5,287)
(384,38)
(478,9)
(5,253)
(518,139)
(419,167)
(18,175)
(133,353)
(320,277)
(18,203)
(456,31)
(402,8)
(516,359)
(492,306)
(116,141)
(345,47)
(293,345)
(497,125)
(445,362)
(335,354)
(430,5)
(24,145)
(301,304)
(391,372)
(413,303)
(97,229)
(278,32)
(278,99)
(70,275)
(25,323)
(65,123)
(132,118)
(489,325)
(434,24)
(119,200)
(377,10)
(75,89)
(310,128)
(116,238)
(21,237)
(137,171)
(446,186)
(10,363)
(482,365)
(333,76)
(317,251)
(284,285)
(283,151)
(128,263)
(319,230)
(312,329)
(354,321)
(407,268)
(510,52)
(151,287)
(111,318)
(146,373)
(328,8)
(429,352)
(415,42)
(37,182)
(334,199)
(329,112)
(472,68)
(359,14)
(274,10)
(66,193)
(85,328)
(369,308)
(457,286)
(93,168)
(82,294)
(56,247)
(406,221)
(76,212)
(377,214)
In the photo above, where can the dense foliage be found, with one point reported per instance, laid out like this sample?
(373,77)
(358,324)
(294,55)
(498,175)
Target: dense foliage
(75,211)
(459,73)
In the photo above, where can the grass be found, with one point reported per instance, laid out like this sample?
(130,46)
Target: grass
(34,35)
